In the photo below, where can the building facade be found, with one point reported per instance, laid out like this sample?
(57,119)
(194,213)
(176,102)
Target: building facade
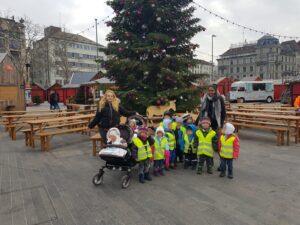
(59,54)
(267,58)
(203,69)
(12,37)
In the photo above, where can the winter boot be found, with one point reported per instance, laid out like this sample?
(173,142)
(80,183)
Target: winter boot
(194,165)
(230,176)
(199,170)
(222,174)
(141,178)
(209,169)
(148,176)
(161,172)
(155,172)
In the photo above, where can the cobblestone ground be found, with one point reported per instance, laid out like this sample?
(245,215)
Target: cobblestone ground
(56,188)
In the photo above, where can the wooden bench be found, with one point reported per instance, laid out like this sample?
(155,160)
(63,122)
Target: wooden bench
(27,132)
(95,140)
(280,131)
(46,135)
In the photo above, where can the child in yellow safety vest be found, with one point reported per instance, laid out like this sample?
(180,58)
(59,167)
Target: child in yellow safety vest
(207,143)
(229,148)
(160,146)
(142,148)
(171,154)
(190,151)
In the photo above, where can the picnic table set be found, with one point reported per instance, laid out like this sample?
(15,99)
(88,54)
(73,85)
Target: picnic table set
(42,125)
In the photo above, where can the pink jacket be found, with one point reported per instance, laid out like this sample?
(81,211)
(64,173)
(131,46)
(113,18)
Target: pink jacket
(236,146)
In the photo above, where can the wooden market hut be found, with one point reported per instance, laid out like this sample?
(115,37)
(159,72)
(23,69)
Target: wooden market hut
(12,88)
(38,90)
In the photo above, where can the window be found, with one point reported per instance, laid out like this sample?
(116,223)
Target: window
(244,69)
(241,89)
(238,69)
(251,68)
(231,70)
(234,88)
(231,62)
(259,87)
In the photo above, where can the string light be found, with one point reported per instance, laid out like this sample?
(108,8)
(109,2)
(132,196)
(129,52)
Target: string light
(93,26)
(242,26)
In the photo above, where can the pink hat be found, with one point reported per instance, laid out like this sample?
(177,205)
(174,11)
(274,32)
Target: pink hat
(143,129)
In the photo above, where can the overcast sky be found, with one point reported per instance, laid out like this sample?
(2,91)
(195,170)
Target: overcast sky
(273,16)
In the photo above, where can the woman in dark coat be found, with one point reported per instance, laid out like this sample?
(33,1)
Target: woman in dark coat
(109,113)
(213,106)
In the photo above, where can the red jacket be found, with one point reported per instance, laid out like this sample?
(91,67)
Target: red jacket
(236,146)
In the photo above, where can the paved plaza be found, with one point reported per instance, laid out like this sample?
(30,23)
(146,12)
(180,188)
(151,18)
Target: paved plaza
(55,188)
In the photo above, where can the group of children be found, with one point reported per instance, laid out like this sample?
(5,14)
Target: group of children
(179,140)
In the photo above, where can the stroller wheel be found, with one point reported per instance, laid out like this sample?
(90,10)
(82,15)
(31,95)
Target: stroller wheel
(98,179)
(125,181)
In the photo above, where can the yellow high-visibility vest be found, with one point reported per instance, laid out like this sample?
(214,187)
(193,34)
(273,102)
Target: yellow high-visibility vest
(172,140)
(227,147)
(189,144)
(205,143)
(144,150)
(160,147)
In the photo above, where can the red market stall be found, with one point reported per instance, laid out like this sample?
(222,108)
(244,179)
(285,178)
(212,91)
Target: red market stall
(58,89)
(295,91)
(279,89)
(224,85)
(69,92)
(38,90)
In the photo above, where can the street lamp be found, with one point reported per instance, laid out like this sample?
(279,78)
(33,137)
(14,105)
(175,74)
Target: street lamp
(212,57)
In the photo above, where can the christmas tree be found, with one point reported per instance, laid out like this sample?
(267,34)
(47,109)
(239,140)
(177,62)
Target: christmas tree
(151,52)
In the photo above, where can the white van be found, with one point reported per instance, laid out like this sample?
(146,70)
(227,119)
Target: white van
(247,91)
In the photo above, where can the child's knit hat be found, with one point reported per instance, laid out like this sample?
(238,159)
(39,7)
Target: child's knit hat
(143,130)
(205,120)
(229,128)
(160,129)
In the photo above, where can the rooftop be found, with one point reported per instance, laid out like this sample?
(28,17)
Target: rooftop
(247,49)
(81,77)
(57,33)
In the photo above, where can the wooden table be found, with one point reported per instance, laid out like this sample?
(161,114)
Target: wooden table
(30,112)
(265,107)
(288,120)
(270,111)
(12,120)
(41,123)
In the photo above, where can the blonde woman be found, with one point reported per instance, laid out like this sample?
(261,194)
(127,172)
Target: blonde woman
(108,113)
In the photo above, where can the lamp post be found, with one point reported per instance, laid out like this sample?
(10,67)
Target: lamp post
(212,57)
(97,55)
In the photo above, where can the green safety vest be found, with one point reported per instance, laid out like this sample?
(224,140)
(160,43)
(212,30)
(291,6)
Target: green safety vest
(144,150)
(227,147)
(160,147)
(205,143)
(188,144)
(171,140)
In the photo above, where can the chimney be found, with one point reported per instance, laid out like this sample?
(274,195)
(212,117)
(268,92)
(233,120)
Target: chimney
(51,30)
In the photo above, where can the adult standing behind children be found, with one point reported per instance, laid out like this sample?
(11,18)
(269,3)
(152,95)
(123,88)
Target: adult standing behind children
(213,107)
(109,113)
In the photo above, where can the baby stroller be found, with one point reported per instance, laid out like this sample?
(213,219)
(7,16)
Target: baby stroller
(118,157)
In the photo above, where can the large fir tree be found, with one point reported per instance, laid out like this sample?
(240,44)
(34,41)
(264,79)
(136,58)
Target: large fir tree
(151,51)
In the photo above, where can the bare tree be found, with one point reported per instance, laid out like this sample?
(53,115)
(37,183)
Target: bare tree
(61,59)
(28,32)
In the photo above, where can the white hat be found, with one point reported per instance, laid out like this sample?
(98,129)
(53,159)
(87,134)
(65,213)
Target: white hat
(160,129)
(229,129)
(115,132)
